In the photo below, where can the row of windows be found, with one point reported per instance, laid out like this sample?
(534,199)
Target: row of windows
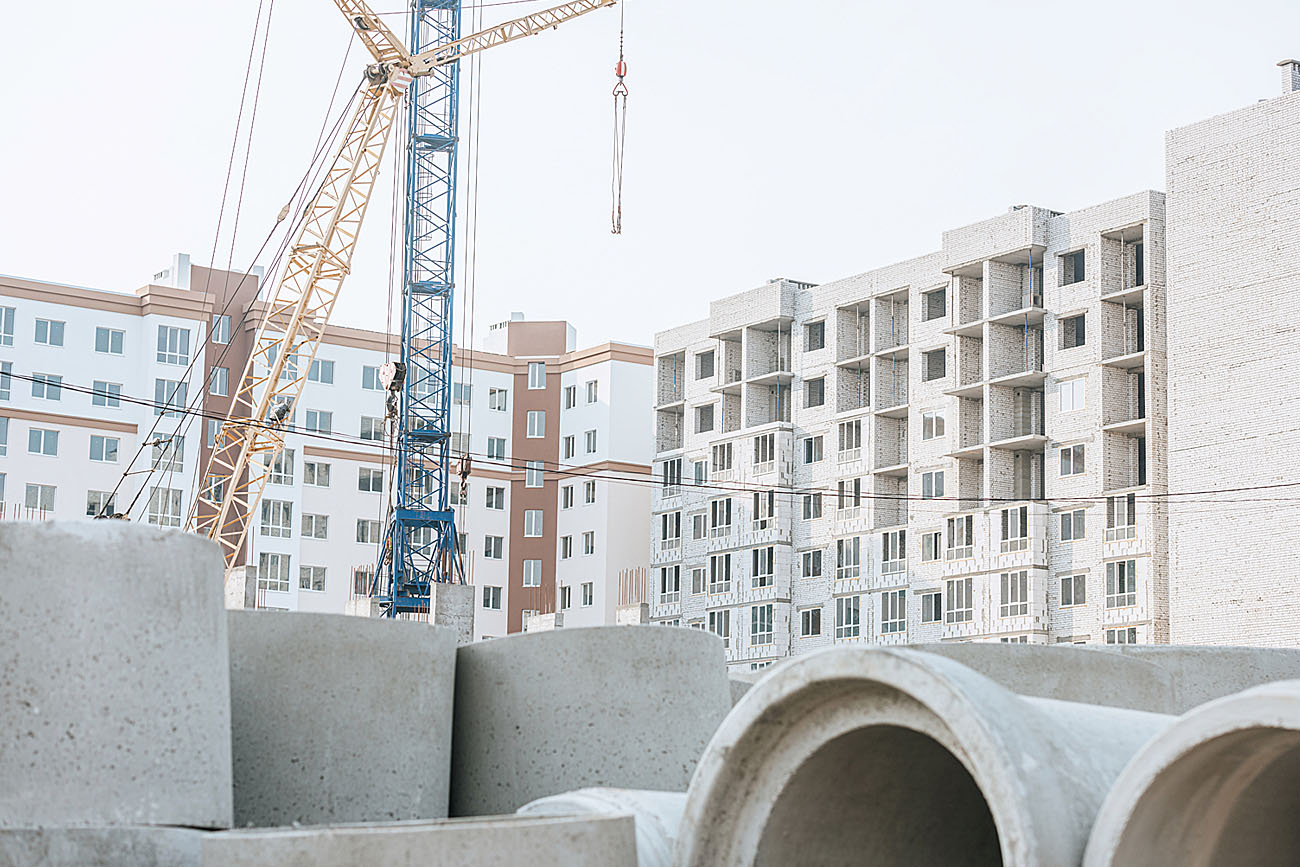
(173,342)
(492,596)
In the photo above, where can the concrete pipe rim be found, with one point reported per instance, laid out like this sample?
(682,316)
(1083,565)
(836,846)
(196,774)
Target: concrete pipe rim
(950,699)
(1269,713)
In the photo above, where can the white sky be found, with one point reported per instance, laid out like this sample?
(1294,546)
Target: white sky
(812,140)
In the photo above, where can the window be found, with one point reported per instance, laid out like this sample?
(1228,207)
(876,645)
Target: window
(220,328)
(566,497)
(704,418)
(370,378)
(1073,267)
(722,457)
(848,621)
(704,365)
(850,440)
(49,332)
(496,448)
(321,371)
(670,584)
(961,538)
(104,448)
(850,494)
(277,519)
(720,517)
(371,481)
(169,397)
(1074,590)
(2,487)
(320,421)
(931,425)
(1124,635)
(47,386)
(492,598)
(173,345)
(961,607)
(536,424)
(99,503)
(701,472)
(533,474)
(496,498)
(814,392)
(812,507)
(1139,265)
(219,384)
(763,562)
(566,597)
(810,622)
(812,450)
(670,530)
(214,488)
(934,365)
(280,467)
(498,399)
(536,374)
(589,492)
(932,607)
(590,438)
(698,578)
(363,577)
(570,446)
(672,477)
(493,547)
(932,485)
(273,572)
(368,531)
(934,304)
(764,511)
(593,390)
(848,558)
(165,510)
(1121,517)
(720,573)
(1121,584)
(1072,391)
(760,624)
(461,393)
(1073,331)
(720,625)
(532,573)
(4,444)
(814,336)
(570,396)
(372,428)
(315,526)
(316,474)
(311,578)
(1072,526)
(6,380)
(893,552)
(699,526)
(40,497)
(893,611)
(589,542)
(811,564)
(566,547)
(7,326)
(1015,529)
(588,594)
(532,523)
(1072,460)
(931,547)
(43,442)
(109,341)
(289,371)
(1015,594)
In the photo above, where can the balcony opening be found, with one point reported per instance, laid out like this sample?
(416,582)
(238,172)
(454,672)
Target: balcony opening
(1074,331)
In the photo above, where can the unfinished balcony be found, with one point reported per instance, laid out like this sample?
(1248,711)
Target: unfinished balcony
(889,505)
(889,446)
(890,313)
(670,371)
(1015,291)
(730,373)
(1015,354)
(1124,459)
(1014,474)
(968,302)
(853,333)
(1124,401)
(891,386)
(1123,265)
(853,387)
(970,367)
(968,429)
(1123,335)
(766,404)
(669,429)
(767,355)
(970,484)
(1016,417)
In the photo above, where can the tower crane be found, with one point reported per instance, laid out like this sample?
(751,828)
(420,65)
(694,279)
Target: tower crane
(420,540)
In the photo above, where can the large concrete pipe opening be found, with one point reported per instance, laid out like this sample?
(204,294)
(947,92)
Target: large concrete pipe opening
(881,795)
(1219,790)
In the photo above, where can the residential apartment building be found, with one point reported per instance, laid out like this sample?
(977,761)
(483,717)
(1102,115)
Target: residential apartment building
(558,441)
(964,446)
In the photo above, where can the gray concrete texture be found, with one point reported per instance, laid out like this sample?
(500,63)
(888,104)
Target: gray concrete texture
(114,688)
(113,846)
(618,706)
(658,815)
(339,719)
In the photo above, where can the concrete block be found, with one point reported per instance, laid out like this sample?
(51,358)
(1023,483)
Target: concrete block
(339,719)
(453,607)
(632,615)
(114,687)
(544,713)
(657,816)
(241,588)
(101,847)
(496,841)
(544,622)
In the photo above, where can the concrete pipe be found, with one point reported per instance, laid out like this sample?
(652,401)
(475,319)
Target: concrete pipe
(899,757)
(339,719)
(657,816)
(1218,788)
(114,686)
(544,713)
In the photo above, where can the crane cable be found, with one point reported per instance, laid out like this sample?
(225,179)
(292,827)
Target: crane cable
(620,135)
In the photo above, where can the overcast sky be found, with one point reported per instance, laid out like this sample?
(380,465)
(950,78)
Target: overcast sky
(812,140)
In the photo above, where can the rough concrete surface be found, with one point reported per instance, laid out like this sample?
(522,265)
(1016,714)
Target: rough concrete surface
(453,607)
(741,684)
(497,841)
(905,755)
(546,713)
(101,847)
(657,816)
(339,719)
(114,688)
